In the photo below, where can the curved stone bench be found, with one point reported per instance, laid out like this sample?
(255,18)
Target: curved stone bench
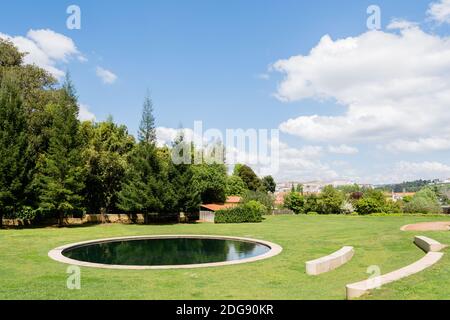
(358,289)
(331,262)
(427,244)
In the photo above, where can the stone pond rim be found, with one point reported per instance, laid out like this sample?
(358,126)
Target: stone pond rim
(57,254)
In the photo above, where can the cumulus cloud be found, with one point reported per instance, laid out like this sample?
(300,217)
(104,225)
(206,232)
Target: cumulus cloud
(165,136)
(107,77)
(440,11)
(389,86)
(409,171)
(419,145)
(84,114)
(46,49)
(399,24)
(343,149)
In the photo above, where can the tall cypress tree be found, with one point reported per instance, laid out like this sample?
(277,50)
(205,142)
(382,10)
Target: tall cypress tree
(59,178)
(147,130)
(180,178)
(143,190)
(13,145)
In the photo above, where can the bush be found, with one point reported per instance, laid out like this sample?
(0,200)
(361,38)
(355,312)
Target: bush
(347,208)
(424,201)
(330,201)
(422,205)
(251,211)
(295,201)
(262,197)
(367,206)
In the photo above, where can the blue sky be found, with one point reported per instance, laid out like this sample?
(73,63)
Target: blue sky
(210,60)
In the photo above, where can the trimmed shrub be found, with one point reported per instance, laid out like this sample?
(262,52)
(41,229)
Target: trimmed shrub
(251,211)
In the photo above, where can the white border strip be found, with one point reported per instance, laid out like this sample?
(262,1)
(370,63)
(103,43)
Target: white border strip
(358,289)
(57,253)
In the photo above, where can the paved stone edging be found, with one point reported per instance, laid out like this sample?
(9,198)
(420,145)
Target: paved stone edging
(358,289)
(330,262)
(427,226)
(57,253)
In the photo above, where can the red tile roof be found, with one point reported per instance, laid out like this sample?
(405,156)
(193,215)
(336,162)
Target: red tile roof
(216,207)
(233,199)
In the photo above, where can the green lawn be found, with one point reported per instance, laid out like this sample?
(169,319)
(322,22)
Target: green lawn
(27,273)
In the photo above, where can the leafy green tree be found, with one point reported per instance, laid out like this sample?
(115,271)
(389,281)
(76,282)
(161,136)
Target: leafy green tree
(373,201)
(142,189)
(13,146)
(9,55)
(312,204)
(209,181)
(299,188)
(295,201)
(249,177)
(107,146)
(235,186)
(59,176)
(180,178)
(268,184)
(37,91)
(330,201)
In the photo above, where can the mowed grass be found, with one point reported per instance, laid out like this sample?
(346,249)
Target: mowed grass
(26,272)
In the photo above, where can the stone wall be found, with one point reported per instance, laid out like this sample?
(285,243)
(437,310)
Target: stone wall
(97,218)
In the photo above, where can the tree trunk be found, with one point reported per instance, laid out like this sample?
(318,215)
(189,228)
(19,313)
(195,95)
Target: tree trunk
(103,215)
(146,218)
(61,219)
(1,220)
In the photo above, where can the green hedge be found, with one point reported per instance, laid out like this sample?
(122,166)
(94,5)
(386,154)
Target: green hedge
(251,211)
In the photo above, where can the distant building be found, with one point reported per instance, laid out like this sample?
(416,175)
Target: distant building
(279,198)
(396,196)
(316,187)
(207,211)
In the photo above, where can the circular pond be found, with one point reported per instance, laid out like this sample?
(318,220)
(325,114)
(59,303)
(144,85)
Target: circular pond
(164,252)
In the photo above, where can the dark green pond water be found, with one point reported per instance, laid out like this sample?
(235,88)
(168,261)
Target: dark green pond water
(162,252)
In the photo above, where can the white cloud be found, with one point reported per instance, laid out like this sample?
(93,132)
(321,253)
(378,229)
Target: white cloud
(106,76)
(343,149)
(303,164)
(165,136)
(419,145)
(391,86)
(399,24)
(440,11)
(84,114)
(410,171)
(46,49)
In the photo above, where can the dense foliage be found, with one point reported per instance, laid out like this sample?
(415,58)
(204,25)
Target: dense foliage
(354,200)
(424,201)
(409,186)
(52,165)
